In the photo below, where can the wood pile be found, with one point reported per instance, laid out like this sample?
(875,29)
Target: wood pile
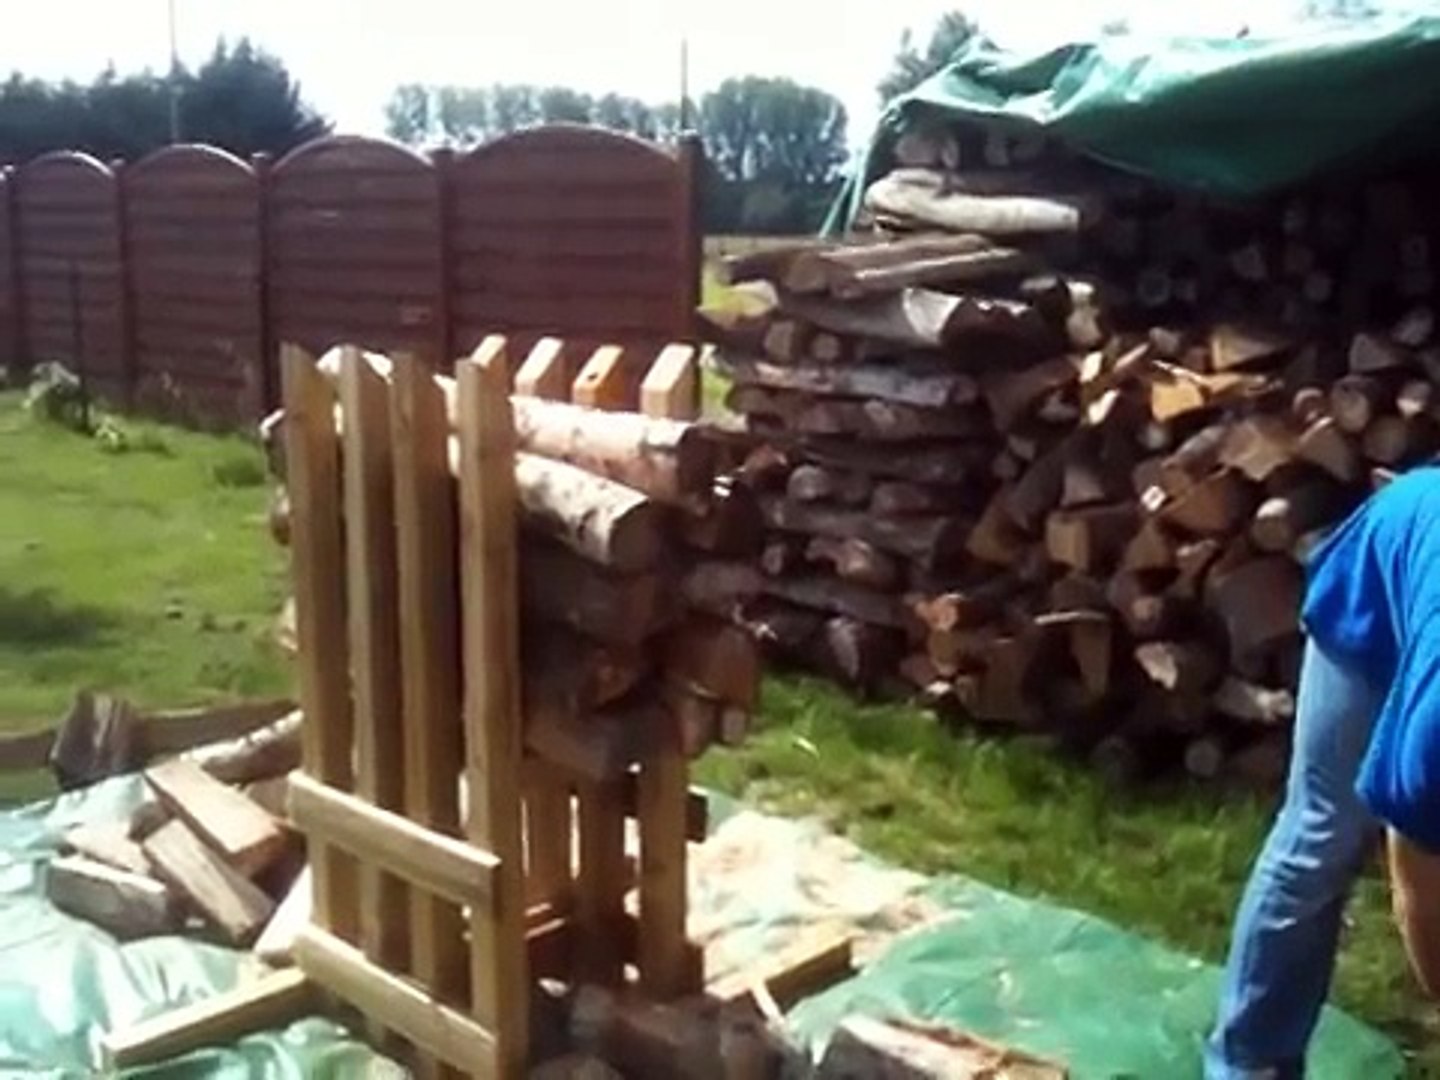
(211,851)
(1050,446)
(616,666)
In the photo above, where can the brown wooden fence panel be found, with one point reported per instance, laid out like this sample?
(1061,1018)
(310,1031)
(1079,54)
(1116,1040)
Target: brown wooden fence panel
(11,353)
(72,292)
(353,247)
(575,232)
(193,242)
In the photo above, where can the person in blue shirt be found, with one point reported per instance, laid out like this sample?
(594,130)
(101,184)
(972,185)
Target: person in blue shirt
(1366,761)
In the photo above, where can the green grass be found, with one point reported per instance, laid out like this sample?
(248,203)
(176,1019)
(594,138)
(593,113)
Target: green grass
(146,572)
(150,573)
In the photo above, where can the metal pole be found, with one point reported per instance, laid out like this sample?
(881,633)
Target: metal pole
(174,79)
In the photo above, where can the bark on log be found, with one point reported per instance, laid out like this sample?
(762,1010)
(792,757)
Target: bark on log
(817,483)
(558,586)
(603,521)
(1259,603)
(1011,394)
(1241,700)
(720,587)
(1356,399)
(839,598)
(932,386)
(273,750)
(1090,538)
(1325,444)
(938,463)
(900,498)
(930,541)
(1215,506)
(897,196)
(577,672)
(858,653)
(789,413)
(730,525)
(780,626)
(783,555)
(921,318)
(716,658)
(856,561)
(1399,440)
(1181,667)
(1282,520)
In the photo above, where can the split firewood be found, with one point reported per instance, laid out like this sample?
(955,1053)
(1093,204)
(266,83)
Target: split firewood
(933,386)
(790,413)
(840,598)
(1233,346)
(816,483)
(943,463)
(108,843)
(1398,440)
(236,828)
(850,272)
(1010,394)
(1214,506)
(1370,353)
(1259,603)
(783,555)
(767,263)
(1089,538)
(1356,400)
(1150,549)
(1245,701)
(716,658)
(559,586)
(996,538)
(898,1050)
(127,904)
(946,611)
(781,626)
(1257,446)
(1416,398)
(960,649)
(1039,490)
(730,524)
(855,561)
(921,318)
(719,587)
(901,498)
(583,673)
(97,738)
(1282,520)
(786,340)
(272,750)
(235,907)
(927,540)
(1325,444)
(1184,668)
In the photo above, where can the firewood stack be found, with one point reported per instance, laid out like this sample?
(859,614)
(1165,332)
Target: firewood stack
(613,665)
(1050,446)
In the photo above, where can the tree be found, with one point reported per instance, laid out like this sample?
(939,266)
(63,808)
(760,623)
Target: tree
(1339,9)
(561,105)
(245,100)
(408,115)
(913,66)
(242,99)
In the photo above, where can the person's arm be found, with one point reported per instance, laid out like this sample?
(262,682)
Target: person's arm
(1415,893)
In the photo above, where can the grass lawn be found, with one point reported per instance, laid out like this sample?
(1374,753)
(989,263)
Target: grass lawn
(151,573)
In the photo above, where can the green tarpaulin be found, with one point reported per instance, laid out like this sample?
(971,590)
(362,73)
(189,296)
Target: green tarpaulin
(1234,117)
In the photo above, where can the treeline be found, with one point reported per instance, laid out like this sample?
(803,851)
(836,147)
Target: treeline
(241,98)
(774,149)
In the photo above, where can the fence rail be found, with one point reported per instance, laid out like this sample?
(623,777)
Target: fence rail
(167,283)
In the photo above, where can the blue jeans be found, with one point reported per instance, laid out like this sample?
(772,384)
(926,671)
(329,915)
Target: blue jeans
(1288,927)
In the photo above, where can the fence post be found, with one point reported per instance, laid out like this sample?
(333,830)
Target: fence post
(688,232)
(443,159)
(129,366)
(10,214)
(269,359)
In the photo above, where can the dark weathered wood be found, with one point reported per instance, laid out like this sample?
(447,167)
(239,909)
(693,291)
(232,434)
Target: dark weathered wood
(783,555)
(1257,446)
(1355,400)
(729,524)
(716,658)
(1253,704)
(1182,667)
(1215,506)
(781,627)
(584,673)
(851,271)
(97,738)
(858,653)
(1325,444)
(1370,353)
(996,538)
(934,463)
(817,483)
(901,498)
(1011,394)
(872,420)
(719,587)
(920,318)
(559,586)
(1399,440)
(1282,520)
(1258,601)
(927,540)
(839,598)
(856,561)
(1152,548)
(934,385)
(1090,538)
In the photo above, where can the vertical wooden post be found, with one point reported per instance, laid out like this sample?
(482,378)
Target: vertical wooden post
(10,220)
(663,953)
(267,372)
(429,655)
(443,160)
(491,648)
(126,345)
(689,232)
(269,365)
(542,375)
(601,883)
(374,622)
(312,454)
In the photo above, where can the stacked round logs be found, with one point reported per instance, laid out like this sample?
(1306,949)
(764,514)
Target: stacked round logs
(612,505)
(1050,446)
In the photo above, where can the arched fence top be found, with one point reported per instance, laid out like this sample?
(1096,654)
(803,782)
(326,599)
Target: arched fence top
(61,161)
(349,151)
(189,156)
(571,152)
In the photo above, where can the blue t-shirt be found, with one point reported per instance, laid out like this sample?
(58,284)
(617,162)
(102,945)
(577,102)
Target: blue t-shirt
(1373,600)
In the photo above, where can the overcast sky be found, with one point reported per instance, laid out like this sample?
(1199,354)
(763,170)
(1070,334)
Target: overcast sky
(349,54)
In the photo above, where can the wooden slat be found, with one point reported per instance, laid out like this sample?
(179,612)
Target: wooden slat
(601,383)
(671,388)
(543,373)
(429,651)
(601,883)
(491,649)
(313,477)
(439,864)
(269,1001)
(374,620)
(663,785)
(400,1005)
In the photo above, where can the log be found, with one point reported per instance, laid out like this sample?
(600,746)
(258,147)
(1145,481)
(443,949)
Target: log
(1309,405)
(789,413)
(717,659)
(1416,398)
(97,738)
(269,751)
(1193,562)
(276,943)
(1259,603)
(1257,446)
(1282,520)
(1233,346)
(927,385)
(234,827)
(1194,460)
(1090,538)
(971,607)
(719,587)
(128,905)
(996,538)
(581,673)
(1326,445)
(840,598)
(1241,700)
(849,272)
(1002,693)
(1181,667)
(783,555)
(767,263)
(780,626)
(558,586)
(901,498)
(921,318)
(730,524)
(599,519)
(1151,549)
(1370,353)
(856,561)
(1215,506)
(817,483)
(1092,649)
(1011,394)
(602,746)
(1355,400)
(940,463)
(786,340)
(1204,757)
(898,1050)
(930,541)
(1040,489)
(996,216)
(858,653)
(1399,440)
(1146,611)
(110,844)
(235,907)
